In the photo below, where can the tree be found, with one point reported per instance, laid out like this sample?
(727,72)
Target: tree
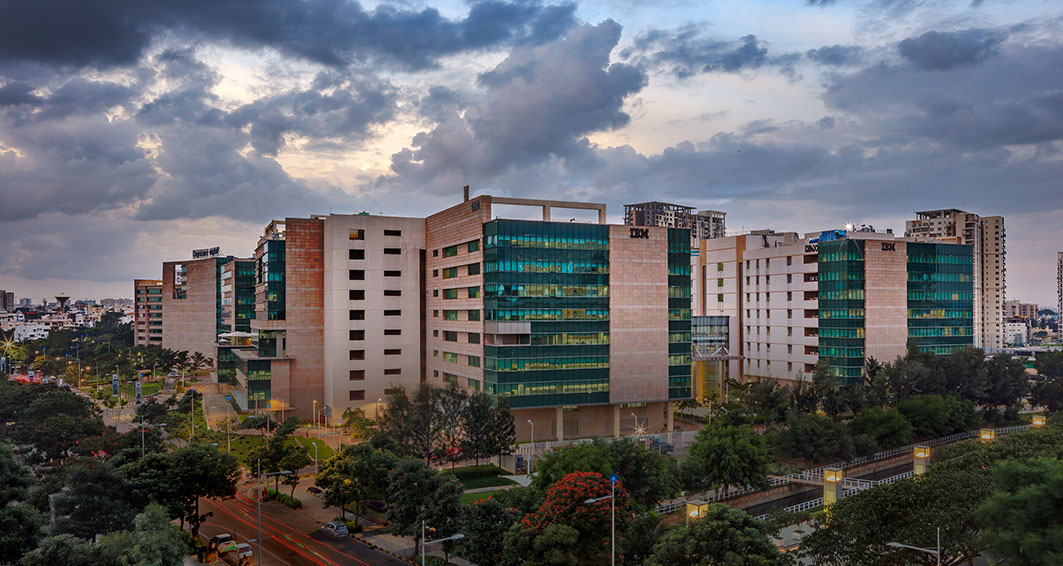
(856,529)
(20,529)
(767,401)
(61,549)
(937,415)
(887,427)
(155,541)
(1007,381)
(1048,394)
(725,457)
(648,476)
(451,409)
(357,425)
(287,427)
(201,471)
(484,524)
(335,477)
(489,431)
(15,478)
(414,425)
(1049,364)
(295,459)
(1023,521)
(722,537)
(813,438)
(95,500)
(566,505)
(417,493)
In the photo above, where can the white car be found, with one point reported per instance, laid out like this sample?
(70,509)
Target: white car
(243,549)
(335,528)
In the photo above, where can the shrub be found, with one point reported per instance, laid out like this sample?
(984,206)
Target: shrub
(283,499)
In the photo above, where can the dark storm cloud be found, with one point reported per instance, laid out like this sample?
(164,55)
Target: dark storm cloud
(837,55)
(106,33)
(939,51)
(536,103)
(685,52)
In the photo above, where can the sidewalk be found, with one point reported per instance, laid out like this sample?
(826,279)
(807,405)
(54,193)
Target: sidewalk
(372,533)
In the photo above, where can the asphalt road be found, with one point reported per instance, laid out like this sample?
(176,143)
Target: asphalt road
(289,537)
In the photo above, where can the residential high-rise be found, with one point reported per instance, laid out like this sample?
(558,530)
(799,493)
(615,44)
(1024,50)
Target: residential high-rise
(578,326)
(702,225)
(7,301)
(1059,282)
(1018,310)
(147,312)
(986,235)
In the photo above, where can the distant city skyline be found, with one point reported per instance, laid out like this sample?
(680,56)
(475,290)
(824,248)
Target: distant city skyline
(131,134)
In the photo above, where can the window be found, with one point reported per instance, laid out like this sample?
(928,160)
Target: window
(474,338)
(719,266)
(719,298)
(474,292)
(357,275)
(357,375)
(450,294)
(719,282)
(393,371)
(392,232)
(392,293)
(393,351)
(392,274)
(474,361)
(435,253)
(789,260)
(357,234)
(789,278)
(435,313)
(393,312)
(435,292)
(474,246)
(450,251)
(450,272)
(789,296)
(435,334)
(357,354)
(392,251)
(392,332)
(474,269)
(450,357)
(356,294)
(474,314)
(357,315)
(450,315)
(357,334)
(450,336)
(355,254)
(435,273)
(357,395)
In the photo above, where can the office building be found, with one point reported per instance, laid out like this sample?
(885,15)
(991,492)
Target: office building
(7,301)
(1059,283)
(702,225)
(1019,310)
(840,296)
(583,328)
(147,312)
(987,237)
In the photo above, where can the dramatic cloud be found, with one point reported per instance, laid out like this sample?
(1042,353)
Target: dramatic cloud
(941,51)
(837,55)
(105,33)
(686,52)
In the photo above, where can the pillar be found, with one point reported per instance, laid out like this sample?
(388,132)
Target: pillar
(832,485)
(921,459)
(560,423)
(669,417)
(601,215)
(616,421)
(546,213)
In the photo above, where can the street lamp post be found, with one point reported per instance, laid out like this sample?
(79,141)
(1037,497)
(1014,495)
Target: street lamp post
(425,543)
(612,519)
(315,458)
(936,553)
(258,485)
(142,427)
(531,454)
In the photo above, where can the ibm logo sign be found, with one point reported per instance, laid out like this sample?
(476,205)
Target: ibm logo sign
(889,246)
(642,233)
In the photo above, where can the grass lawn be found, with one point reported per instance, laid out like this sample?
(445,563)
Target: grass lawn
(487,475)
(147,388)
(324,452)
(473,497)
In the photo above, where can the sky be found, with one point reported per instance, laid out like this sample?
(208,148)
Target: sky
(133,131)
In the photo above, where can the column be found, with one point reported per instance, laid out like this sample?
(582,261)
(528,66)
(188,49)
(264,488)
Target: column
(921,458)
(601,215)
(669,417)
(832,485)
(616,421)
(560,423)
(546,213)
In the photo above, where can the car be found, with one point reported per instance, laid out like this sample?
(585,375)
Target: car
(223,542)
(335,529)
(659,446)
(244,550)
(314,490)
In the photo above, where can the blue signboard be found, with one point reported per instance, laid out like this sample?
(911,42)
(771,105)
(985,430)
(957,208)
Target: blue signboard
(114,385)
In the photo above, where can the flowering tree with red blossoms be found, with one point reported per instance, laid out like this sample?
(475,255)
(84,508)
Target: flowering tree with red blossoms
(566,504)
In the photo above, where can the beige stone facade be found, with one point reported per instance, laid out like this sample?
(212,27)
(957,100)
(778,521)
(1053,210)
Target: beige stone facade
(885,299)
(190,305)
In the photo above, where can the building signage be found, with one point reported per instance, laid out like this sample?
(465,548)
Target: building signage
(138,393)
(811,248)
(206,252)
(889,246)
(641,233)
(114,385)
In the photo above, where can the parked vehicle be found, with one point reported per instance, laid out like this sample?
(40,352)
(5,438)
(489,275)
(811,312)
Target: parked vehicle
(335,529)
(314,490)
(223,542)
(655,445)
(244,550)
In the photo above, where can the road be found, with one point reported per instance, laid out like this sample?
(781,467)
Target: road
(290,538)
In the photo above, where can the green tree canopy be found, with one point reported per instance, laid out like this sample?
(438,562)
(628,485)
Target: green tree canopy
(938,415)
(96,500)
(155,540)
(485,524)
(201,471)
(722,537)
(887,427)
(417,493)
(1023,521)
(66,550)
(725,457)
(648,476)
(813,438)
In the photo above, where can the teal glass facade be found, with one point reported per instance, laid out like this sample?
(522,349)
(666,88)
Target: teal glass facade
(841,308)
(940,297)
(270,270)
(555,276)
(244,295)
(679,358)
